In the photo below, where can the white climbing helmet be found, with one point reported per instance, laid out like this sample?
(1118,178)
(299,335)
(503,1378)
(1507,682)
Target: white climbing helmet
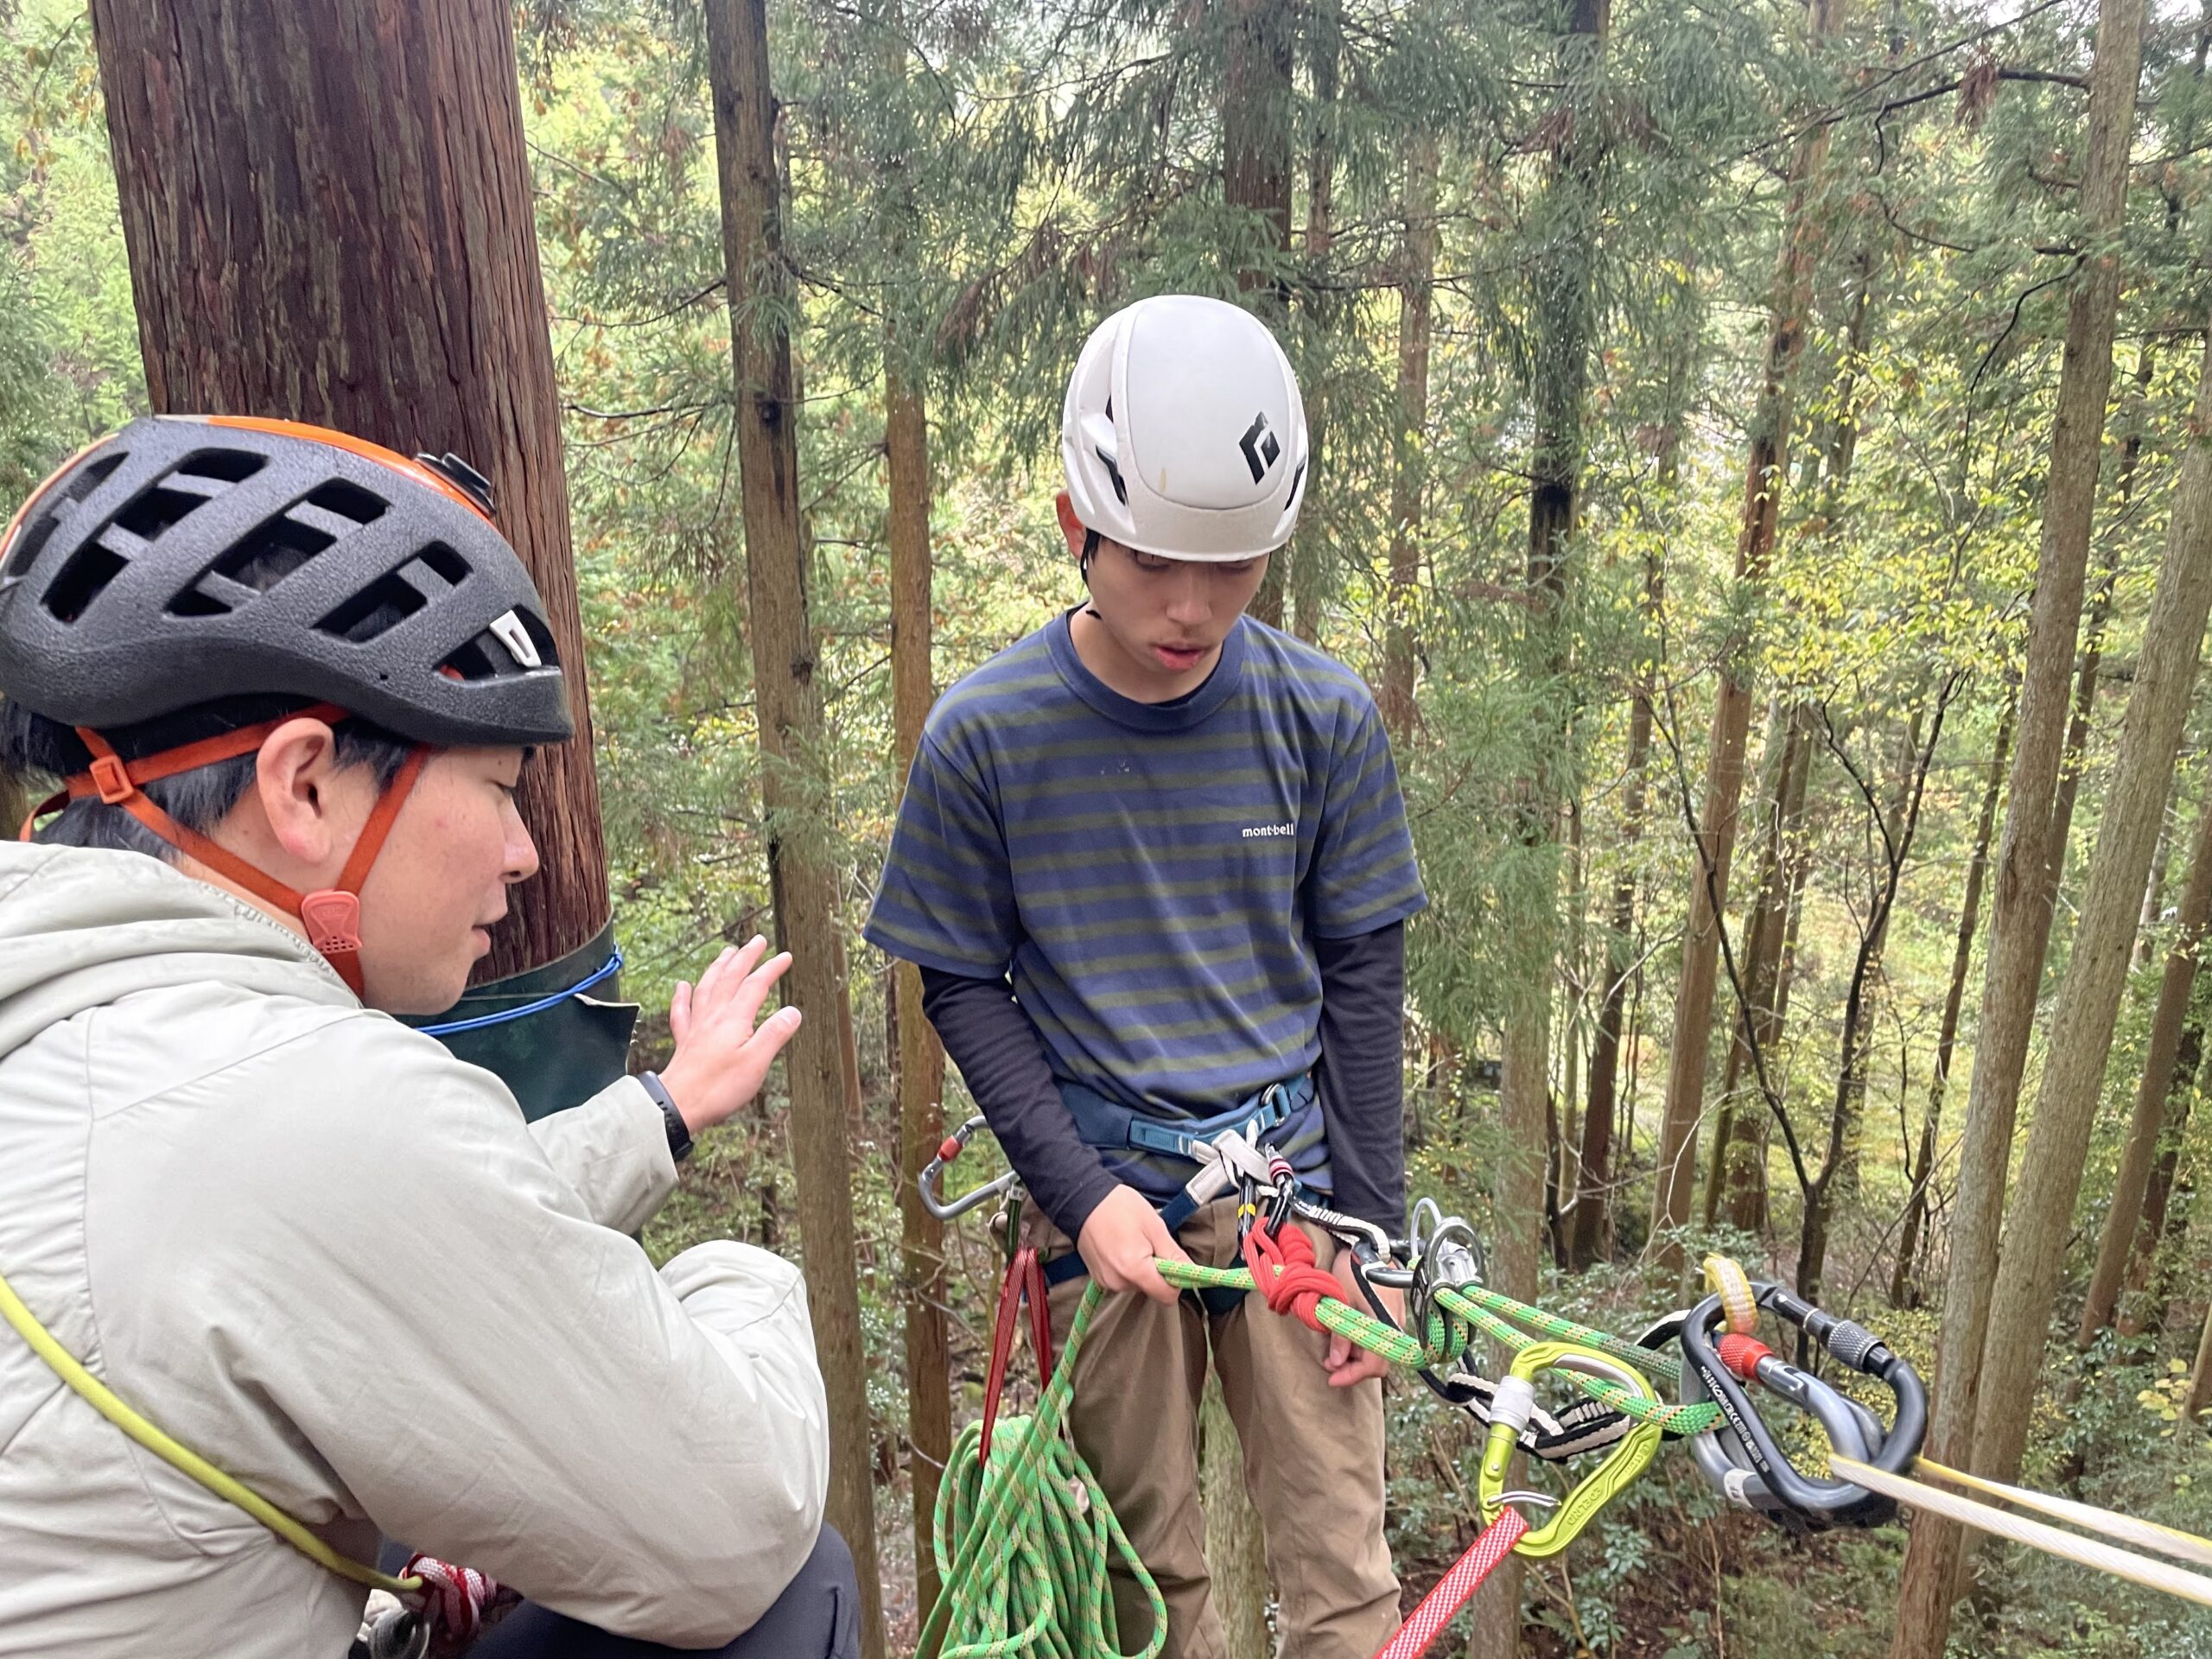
(1182,434)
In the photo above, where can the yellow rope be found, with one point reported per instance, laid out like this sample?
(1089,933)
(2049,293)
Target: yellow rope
(103,1400)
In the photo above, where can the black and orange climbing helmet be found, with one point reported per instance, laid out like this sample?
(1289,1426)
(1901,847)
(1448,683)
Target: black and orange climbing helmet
(187,560)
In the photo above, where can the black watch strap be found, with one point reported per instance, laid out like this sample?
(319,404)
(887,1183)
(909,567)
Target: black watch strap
(679,1133)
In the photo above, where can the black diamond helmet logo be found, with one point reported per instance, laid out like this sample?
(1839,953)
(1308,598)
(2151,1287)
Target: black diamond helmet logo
(1262,449)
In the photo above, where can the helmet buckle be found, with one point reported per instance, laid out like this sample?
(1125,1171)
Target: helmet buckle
(332,920)
(113,778)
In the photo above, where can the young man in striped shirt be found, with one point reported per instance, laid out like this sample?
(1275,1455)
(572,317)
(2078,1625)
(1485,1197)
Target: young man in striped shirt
(1154,867)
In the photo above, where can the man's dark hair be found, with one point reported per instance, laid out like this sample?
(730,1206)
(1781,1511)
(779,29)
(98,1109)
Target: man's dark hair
(35,748)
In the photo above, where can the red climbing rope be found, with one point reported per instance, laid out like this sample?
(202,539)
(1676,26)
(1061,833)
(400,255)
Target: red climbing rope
(1283,1271)
(1456,1588)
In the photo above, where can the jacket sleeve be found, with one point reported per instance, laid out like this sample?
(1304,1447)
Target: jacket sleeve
(613,1150)
(499,1379)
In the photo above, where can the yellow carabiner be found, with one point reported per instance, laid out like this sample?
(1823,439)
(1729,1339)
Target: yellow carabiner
(1509,1411)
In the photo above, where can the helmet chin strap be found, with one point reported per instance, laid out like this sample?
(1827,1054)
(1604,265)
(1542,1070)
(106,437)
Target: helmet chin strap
(330,916)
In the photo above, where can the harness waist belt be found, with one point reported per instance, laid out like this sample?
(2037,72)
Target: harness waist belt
(1110,1126)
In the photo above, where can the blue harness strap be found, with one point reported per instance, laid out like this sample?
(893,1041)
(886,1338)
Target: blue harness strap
(1111,1127)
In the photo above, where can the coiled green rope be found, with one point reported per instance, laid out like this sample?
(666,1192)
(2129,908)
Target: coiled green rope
(1022,1544)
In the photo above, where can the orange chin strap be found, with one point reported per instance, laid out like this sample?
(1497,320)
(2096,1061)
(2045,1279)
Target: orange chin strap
(332,916)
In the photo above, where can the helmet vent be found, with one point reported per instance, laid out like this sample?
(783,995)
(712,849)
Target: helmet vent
(82,579)
(153,510)
(32,540)
(272,553)
(347,501)
(375,611)
(229,466)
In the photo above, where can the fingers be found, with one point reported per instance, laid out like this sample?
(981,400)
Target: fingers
(679,1011)
(752,990)
(729,971)
(1340,1351)
(1362,1366)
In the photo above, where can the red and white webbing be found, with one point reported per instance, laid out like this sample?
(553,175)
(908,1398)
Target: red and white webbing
(1456,1588)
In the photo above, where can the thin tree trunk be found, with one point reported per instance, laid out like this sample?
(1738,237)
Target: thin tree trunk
(1236,1547)
(2140,1314)
(1764,471)
(1904,1284)
(794,797)
(2200,1376)
(1738,1130)
(2020,915)
(2153,1090)
(1311,551)
(1590,1236)
(2096,970)
(283,267)
(1255,176)
(1898,823)
(1416,279)
(921,1057)
(1561,363)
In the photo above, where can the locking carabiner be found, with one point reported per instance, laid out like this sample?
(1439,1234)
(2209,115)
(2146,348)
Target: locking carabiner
(1509,1412)
(1744,1460)
(933,1174)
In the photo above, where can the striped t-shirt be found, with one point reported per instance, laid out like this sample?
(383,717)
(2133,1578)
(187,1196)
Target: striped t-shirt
(1152,876)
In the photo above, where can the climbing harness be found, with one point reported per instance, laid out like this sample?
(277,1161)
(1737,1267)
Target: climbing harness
(432,1596)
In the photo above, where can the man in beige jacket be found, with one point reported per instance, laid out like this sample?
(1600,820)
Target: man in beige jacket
(290,679)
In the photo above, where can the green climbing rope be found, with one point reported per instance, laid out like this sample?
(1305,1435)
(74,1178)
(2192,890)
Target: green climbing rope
(1476,1308)
(1023,1543)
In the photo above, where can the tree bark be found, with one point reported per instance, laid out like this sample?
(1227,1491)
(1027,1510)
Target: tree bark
(1904,1291)
(2020,913)
(1417,278)
(2153,1091)
(921,1057)
(1764,471)
(794,796)
(285,266)
(2096,971)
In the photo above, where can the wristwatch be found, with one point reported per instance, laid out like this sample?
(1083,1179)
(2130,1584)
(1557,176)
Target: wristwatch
(679,1133)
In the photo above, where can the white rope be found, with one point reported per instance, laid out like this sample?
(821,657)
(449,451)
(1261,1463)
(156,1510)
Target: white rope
(2167,1541)
(2086,1552)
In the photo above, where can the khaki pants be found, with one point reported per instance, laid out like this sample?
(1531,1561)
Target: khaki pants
(1313,1455)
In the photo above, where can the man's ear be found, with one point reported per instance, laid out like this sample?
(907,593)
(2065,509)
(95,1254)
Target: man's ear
(1071,526)
(294,771)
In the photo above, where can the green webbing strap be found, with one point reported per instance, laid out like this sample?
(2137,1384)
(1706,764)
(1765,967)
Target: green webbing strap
(1481,1310)
(1022,1545)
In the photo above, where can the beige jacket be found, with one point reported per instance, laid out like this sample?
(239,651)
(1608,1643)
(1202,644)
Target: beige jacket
(334,1261)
